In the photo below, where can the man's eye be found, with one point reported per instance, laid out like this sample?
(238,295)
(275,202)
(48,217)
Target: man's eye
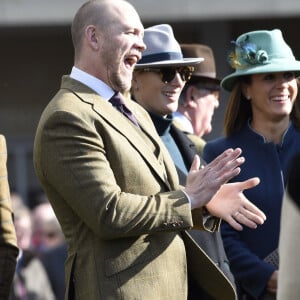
(130,32)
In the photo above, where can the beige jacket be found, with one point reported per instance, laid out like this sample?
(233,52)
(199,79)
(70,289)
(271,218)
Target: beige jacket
(115,192)
(8,239)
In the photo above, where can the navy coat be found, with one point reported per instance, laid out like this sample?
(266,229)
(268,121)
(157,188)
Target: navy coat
(247,249)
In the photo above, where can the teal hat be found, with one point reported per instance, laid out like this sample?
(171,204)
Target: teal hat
(257,52)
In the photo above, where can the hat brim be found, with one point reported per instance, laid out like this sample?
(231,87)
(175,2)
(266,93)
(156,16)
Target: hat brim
(171,63)
(198,78)
(229,81)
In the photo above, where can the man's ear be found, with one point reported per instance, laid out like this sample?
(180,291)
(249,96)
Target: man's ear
(189,99)
(92,37)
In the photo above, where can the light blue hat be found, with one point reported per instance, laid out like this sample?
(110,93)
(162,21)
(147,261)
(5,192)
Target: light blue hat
(257,52)
(163,49)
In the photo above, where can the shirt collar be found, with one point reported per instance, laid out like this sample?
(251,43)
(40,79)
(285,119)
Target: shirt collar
(184,121)
(92,82)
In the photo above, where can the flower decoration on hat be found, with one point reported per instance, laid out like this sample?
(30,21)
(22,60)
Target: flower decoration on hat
(246,54)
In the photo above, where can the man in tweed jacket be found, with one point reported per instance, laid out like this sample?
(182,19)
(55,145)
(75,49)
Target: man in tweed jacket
(112,184)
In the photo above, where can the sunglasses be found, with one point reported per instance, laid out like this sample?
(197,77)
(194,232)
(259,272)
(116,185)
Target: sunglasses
(167,74)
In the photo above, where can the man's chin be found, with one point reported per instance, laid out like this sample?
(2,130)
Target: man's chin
(123,84)
(125,79)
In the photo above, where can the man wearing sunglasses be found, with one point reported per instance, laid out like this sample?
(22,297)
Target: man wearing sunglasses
(158,80)
(199,97)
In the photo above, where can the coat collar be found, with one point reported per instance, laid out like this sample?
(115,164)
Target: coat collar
(125,127)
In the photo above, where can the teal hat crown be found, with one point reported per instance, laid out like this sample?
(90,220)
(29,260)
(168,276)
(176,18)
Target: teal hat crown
(257,52)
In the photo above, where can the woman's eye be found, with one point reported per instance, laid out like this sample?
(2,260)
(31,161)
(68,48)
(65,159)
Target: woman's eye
(269,77)
(289,75)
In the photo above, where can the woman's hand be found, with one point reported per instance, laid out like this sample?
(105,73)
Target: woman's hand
(230,204)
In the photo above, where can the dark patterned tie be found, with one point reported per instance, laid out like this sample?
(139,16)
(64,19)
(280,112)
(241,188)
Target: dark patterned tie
(117,101)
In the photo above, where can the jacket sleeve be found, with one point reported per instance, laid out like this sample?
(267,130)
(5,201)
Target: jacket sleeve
(8,240)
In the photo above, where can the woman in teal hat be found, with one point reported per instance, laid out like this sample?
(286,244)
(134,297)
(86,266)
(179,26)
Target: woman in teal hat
(262,118)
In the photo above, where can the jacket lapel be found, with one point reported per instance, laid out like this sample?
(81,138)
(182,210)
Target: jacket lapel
(163,167)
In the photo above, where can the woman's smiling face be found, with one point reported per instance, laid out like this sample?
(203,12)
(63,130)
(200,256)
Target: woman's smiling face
(155,95)
(272,94)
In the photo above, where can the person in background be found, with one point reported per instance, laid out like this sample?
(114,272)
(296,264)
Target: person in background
(8,239)
(112,184)
(49,244)
(53,261)
(262,118)
(289,243)
(199,97)
(157,82)
(46,231)
(30,279)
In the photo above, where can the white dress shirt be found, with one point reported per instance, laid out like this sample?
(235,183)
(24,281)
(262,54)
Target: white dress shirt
(92,82)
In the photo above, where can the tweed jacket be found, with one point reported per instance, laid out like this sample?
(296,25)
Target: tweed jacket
(8,239)
(116,194)
(247,249)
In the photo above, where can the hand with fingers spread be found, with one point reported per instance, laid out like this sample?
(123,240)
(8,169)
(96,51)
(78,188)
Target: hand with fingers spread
(230,204)
(203,184)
